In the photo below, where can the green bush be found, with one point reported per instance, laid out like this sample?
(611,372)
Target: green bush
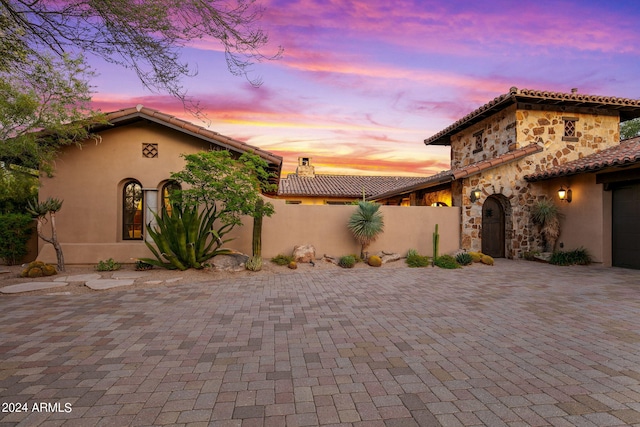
(15,231)
(464,258)
(281,259)
(347,261)
(446,261)
(108,265)
(578,256)
(415,260)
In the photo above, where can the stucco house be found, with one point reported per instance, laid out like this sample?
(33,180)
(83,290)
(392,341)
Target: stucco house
(110,187)
(306,187)
(526,145)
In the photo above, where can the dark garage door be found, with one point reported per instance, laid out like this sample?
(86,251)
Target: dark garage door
(626,226)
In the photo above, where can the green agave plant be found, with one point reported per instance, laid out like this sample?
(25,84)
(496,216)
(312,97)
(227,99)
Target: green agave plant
(185,238)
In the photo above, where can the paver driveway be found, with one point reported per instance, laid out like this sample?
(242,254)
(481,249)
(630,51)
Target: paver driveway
(516,344)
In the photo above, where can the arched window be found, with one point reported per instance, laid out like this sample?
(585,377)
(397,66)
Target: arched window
(167,189)
(132,211)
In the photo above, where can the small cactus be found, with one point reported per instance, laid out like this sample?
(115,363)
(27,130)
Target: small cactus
(293,265)
(476,256)
(347,261)
(254,263)
(38,269)
(486,259)
(374,261)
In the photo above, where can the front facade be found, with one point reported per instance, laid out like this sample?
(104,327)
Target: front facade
(110,188)
(518,135)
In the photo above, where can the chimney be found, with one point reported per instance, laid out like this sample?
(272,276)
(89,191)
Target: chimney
(304,167)
(574,90)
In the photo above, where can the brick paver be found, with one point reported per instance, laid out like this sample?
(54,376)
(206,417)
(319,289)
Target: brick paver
(516,344)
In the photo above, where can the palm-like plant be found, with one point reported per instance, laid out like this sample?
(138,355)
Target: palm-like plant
(366,223)
(547,216)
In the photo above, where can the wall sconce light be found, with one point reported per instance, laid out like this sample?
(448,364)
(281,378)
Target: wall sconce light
(565,195)
(475,195)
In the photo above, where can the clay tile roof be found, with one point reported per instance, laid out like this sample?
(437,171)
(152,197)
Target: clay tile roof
(472,169)
(138,112)
(624,154)
(347,186)
(483,165)
(626,107)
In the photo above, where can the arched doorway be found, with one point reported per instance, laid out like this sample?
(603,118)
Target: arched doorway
(493,226)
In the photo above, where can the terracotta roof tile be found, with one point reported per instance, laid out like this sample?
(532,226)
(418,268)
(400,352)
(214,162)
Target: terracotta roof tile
(478,167)
(451,175)
(624,154)
(627,108)
(347,186)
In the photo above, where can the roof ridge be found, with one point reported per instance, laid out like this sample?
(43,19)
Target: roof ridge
(514,93)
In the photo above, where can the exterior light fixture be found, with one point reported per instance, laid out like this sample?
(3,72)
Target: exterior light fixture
(475,195)
(564,195)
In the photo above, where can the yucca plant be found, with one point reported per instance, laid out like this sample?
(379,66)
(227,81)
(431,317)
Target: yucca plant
(366,223)
(185,238)
(546,214)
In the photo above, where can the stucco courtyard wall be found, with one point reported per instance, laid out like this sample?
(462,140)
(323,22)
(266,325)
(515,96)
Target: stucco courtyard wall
(325,227)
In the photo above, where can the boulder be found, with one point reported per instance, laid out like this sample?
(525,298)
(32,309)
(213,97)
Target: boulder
(304,253)
(230,262)
(389,257)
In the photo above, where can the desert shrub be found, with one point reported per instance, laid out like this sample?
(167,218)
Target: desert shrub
(446,261)
(578,256)
(347,261)
(486,259)
(464,258)
(374,261)
(15,231)
(254,263)
(414,259)
(476,256)
(108,265)
(282,259)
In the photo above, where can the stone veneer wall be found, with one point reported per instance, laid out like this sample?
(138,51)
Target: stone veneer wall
(508,130)
(498,137)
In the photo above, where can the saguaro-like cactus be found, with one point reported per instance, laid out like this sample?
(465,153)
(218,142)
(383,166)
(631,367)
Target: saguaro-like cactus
(436,244)
(256,243)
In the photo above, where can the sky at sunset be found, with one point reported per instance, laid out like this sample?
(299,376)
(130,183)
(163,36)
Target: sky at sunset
(362,83)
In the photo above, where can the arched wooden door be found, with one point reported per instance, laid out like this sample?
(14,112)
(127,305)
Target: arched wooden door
(493,228)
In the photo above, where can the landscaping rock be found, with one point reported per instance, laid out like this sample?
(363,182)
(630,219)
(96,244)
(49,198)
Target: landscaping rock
(304,253)
(78,278)
(102,284)
(330,259)
(231,262)
(31,286)
(389,257)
